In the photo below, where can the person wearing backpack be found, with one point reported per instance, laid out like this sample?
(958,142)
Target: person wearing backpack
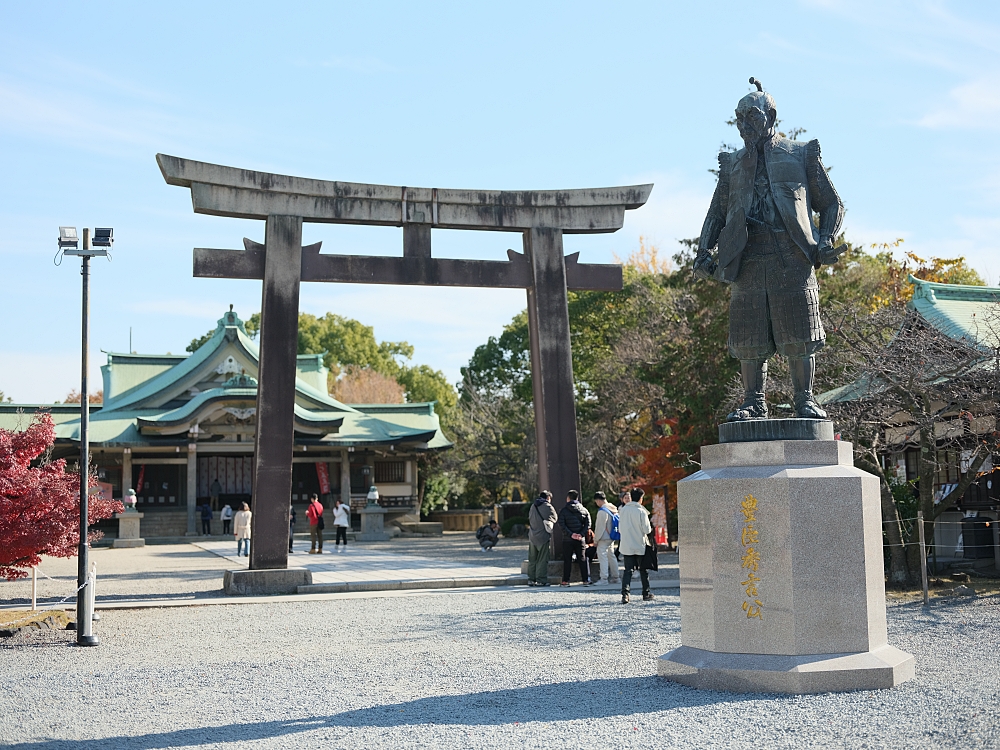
(488,536)
(606,533)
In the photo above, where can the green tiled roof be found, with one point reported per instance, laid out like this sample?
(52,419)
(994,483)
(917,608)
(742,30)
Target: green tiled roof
(958,310)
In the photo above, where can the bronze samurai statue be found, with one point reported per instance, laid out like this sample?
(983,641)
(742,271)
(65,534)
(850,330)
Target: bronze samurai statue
(769,248)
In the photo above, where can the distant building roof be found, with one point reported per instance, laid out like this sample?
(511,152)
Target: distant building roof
(958,310)
(150,398)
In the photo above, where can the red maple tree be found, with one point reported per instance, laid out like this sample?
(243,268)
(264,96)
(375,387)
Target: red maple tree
(40,505)
(658,464)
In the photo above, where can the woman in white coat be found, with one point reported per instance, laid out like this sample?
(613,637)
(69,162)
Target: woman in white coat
(634,526)
(241,529)
(341,521)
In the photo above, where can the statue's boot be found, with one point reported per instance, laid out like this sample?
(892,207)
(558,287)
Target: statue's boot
(803,370)
(754,374)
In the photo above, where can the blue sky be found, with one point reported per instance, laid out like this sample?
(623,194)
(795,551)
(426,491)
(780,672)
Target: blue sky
(904,97)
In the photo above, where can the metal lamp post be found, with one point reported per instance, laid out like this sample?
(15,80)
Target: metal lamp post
(69,245)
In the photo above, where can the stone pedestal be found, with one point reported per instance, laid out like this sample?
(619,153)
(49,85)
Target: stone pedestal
(373,524)
(128,530)
(265,582)
(782,586)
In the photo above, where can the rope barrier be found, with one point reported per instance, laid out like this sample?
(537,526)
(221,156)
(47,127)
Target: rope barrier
(51,608)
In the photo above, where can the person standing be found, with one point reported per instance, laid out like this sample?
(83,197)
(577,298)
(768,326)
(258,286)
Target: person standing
(341,521)
(226,514)
(541,521)
(242,530)
(634,525)
(574,520)
(214,491)
(315,515)
(604,525)
(206,519)
(291,525)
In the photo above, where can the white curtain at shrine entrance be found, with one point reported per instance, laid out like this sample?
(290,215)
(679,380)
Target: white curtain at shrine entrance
(235,474)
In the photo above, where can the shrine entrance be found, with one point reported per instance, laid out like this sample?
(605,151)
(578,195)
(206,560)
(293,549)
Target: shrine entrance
(284,203)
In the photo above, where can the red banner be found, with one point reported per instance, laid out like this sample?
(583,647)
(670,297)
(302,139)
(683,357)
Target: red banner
(323,473)
(138,486)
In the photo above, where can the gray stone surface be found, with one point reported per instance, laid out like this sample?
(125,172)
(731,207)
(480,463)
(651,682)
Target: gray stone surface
(814,545)
(265,582)
(128,530)
(755,430)
(127,543)
(373,524)
(881,668)
(777,453)
(227,191)
(431,528)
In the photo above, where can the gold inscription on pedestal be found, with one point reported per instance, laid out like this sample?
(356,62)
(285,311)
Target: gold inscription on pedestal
(751,557)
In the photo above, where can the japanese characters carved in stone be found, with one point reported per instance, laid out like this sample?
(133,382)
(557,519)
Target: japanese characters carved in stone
(768,247)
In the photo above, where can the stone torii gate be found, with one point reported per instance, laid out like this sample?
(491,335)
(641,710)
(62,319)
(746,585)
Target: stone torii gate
(283,202)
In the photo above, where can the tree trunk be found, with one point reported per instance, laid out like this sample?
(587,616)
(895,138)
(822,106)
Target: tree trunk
(891,522)
(421,486)
(927,470)
(899,571)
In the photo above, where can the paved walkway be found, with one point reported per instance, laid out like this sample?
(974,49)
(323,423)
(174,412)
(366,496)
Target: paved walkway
(177,575)
(357,564)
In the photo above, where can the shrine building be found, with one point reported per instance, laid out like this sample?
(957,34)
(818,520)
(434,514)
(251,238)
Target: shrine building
(180,429)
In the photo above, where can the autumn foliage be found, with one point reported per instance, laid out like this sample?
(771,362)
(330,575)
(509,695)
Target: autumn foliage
(74,397)
(40,505)
(661,464)
(363,385)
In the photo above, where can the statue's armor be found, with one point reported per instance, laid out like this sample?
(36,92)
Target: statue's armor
(775,298)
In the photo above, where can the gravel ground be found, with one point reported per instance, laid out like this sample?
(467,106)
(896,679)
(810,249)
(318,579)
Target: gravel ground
(508,668)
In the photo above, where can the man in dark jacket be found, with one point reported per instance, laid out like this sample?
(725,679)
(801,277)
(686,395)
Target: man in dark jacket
(541,521)
(574,520)
(206,519)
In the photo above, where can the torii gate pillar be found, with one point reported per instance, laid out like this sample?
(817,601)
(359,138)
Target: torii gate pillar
(279,341)
(552,369)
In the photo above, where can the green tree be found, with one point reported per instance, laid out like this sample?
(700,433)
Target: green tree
(422,383)
(345,341)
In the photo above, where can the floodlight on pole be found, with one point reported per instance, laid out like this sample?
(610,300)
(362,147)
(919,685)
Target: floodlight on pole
(103,237)
(68,239)
(69,244)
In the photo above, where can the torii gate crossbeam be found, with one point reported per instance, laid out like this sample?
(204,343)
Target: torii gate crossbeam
(284,202)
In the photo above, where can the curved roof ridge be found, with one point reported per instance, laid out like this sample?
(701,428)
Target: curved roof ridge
(196,361)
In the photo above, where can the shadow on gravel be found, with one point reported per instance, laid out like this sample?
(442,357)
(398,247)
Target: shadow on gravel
(584,607)
(561,701)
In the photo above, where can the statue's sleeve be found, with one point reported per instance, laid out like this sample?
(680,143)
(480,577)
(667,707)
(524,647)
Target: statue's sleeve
(716,218)
(825,200)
